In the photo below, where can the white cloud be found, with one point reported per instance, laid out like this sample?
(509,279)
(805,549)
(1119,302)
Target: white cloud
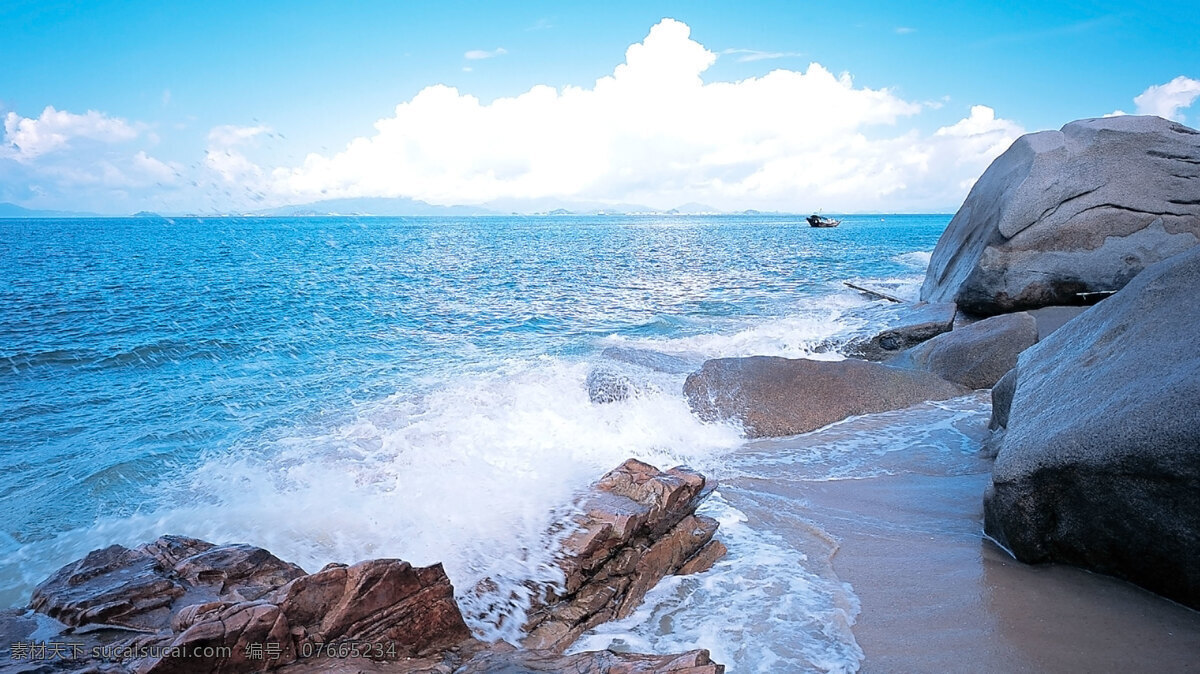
(750,55)
(85,156)
(224,154)
(27,138)
(1168,100)
(654,132)
(479,54)
(905,30)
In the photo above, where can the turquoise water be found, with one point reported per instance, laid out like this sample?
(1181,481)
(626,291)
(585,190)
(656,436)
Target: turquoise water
(338,388)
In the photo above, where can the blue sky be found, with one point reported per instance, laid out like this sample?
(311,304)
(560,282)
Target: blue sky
(311,77)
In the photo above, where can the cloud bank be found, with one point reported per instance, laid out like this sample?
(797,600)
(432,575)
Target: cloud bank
(92,157)
(654,132)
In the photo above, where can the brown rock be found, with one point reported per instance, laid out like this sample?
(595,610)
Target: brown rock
(237,572)
(384,601)
(189,593)
(113,586)
(703,560)
(774,396)
(475,657)
(242,628)
(666,556)
(592,662)
(142,588)
(638,526)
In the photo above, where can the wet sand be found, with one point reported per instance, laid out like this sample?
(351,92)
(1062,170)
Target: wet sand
(936,596)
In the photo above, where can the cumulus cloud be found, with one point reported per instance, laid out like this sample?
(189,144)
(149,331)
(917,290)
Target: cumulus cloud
(480,54)
(27,138)
(654,132)
(91,157)
(1168,100)
(750,55)
(224,154)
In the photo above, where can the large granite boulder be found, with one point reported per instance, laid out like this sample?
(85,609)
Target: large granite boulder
(909,326)
(1099,461)
(772,396)
(1081,210)
(637,525)
(976,355)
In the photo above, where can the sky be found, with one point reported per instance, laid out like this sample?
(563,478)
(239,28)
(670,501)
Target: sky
(122,106)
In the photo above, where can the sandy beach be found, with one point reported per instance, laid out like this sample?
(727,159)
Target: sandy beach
(936,596)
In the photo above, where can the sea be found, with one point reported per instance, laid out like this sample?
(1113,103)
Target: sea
(347,388)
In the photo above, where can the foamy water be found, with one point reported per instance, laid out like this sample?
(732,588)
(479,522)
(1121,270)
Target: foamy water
(418,391)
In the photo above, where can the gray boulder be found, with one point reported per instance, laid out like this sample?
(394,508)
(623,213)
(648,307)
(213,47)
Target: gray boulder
(977,355)
(1002,397)
(1099,463)
(652,360)
(1050,319)
(912,325)
(774,396)
(1081,210)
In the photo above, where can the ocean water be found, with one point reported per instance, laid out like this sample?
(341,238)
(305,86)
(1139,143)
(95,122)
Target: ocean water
(336,389)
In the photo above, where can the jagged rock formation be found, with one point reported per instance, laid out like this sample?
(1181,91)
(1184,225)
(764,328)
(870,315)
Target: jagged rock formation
(638,525)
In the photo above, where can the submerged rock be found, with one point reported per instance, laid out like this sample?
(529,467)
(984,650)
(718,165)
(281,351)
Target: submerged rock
(1099,461)
(638,526)
(606,386)
(652,360)
(772,396)
(1081,210)
(913,325)
(977,355)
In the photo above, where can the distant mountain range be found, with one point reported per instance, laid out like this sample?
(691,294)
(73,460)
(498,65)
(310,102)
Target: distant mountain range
(401,206)
(404,206)
(8,210)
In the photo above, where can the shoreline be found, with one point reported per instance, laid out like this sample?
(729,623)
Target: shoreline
(936,595)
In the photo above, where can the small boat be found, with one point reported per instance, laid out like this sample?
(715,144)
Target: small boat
(818,221)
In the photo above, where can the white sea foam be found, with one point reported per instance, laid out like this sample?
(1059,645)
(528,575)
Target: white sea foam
(765,607)
(917,259)
(795,336)
(933,437)
(471,475)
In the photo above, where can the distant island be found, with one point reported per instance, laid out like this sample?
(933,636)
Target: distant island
(405,207)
